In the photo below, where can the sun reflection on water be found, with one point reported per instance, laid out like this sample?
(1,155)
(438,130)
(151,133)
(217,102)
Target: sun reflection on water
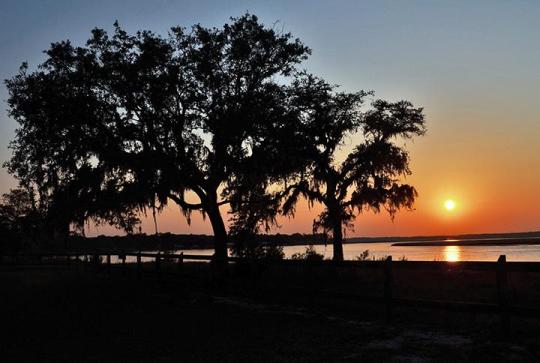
(452,253)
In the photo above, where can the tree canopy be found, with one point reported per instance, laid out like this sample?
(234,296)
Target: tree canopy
(368,176)
(20,220)
(203,117)
(129,122)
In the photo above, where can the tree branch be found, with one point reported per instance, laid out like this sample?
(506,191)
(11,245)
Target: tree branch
(185,205)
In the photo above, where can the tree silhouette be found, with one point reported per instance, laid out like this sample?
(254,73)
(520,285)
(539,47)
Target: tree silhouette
(60,139)
(129,122)
(21,220)
(368,177)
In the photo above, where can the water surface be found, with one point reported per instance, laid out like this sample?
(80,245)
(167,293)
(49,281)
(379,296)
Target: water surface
(379,250)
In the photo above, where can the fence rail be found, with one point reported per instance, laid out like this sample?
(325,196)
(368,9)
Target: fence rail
(420,265)
(502,306)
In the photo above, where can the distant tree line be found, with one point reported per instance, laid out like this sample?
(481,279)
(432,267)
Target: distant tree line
(171,241)
(203,118)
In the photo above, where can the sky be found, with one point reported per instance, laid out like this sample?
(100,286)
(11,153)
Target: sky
(472,65)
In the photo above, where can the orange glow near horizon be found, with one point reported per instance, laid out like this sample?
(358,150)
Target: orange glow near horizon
(492,180)
(472,68)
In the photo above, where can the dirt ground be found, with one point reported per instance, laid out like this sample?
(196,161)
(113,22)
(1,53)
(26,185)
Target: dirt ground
(76,314)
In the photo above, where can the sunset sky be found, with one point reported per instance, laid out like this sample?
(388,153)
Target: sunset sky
(473,65)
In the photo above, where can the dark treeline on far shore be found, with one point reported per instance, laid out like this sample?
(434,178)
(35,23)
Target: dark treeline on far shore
(529,234)
(172,241)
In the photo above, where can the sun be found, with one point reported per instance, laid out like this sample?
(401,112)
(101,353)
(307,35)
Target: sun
(449,205)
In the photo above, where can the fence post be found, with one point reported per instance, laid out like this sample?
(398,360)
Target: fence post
(109,264)
(123,258)
(502,294)
(388,287)
(181,261)
(139,264)
(158,265)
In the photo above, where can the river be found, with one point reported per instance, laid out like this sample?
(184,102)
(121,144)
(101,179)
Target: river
(418,253)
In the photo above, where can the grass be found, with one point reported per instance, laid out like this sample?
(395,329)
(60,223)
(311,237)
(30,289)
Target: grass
(67,314)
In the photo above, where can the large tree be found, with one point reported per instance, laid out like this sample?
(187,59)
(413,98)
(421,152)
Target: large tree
(131,121)
(368,177)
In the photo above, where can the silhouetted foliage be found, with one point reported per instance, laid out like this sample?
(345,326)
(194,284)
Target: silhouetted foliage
(257,250)
(21,222)
(364,256)
(204,117)
(368,177)
(310,254)
(128,122)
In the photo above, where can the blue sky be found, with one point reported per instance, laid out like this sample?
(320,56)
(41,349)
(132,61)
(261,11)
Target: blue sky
(473,65)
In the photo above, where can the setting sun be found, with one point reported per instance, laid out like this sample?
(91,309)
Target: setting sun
(449,204)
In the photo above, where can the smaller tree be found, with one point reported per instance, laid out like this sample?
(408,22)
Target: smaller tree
(20,219)
(368,177)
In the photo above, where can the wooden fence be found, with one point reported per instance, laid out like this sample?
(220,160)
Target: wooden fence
(502,306)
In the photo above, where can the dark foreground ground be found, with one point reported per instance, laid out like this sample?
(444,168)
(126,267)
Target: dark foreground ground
(76,314)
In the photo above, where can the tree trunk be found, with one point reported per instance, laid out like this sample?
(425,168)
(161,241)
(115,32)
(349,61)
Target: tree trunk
(337,240)
(59,233)
(220,233)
